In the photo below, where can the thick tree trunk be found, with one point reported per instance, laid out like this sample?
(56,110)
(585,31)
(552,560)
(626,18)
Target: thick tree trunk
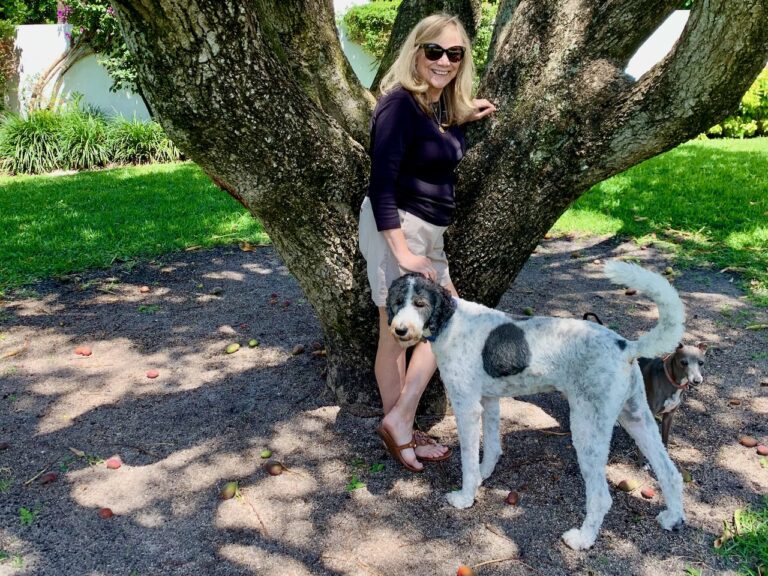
(262,98)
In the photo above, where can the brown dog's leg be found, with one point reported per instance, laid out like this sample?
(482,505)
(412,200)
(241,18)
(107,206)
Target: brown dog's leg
(666,425)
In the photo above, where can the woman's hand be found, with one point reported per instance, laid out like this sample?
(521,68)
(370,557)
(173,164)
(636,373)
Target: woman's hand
(419,264)
(483,108)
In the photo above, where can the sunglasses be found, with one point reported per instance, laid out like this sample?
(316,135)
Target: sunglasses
(434,52)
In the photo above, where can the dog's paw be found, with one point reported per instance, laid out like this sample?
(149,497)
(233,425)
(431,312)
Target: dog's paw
(577,540)
(486,469)
(459,500)
(670,520)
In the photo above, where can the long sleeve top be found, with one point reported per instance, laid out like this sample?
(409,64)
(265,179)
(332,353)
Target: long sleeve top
(412,163)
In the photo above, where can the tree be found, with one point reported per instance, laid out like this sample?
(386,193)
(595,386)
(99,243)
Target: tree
(260,95)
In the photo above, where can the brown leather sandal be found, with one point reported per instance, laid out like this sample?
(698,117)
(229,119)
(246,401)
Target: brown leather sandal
(424,439)
(395,450)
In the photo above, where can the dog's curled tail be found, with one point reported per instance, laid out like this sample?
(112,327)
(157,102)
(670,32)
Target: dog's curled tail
(666,335)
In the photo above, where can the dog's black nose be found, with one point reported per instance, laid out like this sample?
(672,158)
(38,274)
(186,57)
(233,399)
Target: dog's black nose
(401,331)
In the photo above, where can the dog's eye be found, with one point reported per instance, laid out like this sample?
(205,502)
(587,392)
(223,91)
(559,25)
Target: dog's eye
(701,362)
(684,362)
(419,303)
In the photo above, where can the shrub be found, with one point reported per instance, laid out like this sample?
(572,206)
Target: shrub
(752,117)
(30,145)
(80,138)
(370,25)
(136,142)
(84,142)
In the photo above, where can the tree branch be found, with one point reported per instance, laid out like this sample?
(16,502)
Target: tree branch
(722,49)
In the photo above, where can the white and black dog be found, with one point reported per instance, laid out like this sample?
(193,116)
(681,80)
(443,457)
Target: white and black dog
(483,354)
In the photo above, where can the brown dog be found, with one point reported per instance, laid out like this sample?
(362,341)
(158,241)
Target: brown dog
(667,378)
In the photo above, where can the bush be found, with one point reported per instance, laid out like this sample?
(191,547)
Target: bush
(370,25)
(84,144)
(752,117)
(135,142)
(30,145)
(79,138)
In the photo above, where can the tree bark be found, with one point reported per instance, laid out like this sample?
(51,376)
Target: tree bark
(261,97)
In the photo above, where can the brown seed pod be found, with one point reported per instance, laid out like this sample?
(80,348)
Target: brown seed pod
(512,498)
(748,441)
(274,468)
(105,513)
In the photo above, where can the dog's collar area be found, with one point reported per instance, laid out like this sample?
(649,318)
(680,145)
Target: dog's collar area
(668,374)
(454,305)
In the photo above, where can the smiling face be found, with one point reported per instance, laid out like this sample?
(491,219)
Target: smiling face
(439,73)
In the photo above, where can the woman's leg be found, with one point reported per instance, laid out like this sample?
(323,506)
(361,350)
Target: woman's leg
(400,393)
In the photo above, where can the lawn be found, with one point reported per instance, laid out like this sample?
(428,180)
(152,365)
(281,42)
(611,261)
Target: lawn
(707,200)
(60,224)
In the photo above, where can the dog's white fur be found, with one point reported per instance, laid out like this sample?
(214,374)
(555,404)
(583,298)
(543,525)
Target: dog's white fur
(584,361)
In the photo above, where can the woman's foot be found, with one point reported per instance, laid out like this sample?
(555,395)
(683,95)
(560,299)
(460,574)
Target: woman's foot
(401,433)
(428,449)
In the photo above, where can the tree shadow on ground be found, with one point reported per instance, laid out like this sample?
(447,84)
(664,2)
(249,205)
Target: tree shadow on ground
(205,420)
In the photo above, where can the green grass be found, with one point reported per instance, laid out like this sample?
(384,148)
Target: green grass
(749,544)
(55,225)
(706,200)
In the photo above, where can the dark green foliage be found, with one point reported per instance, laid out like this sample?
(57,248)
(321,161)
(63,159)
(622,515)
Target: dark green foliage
(370,25)
(28,11)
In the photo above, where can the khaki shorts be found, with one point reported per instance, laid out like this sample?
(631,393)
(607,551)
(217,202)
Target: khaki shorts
(423,239)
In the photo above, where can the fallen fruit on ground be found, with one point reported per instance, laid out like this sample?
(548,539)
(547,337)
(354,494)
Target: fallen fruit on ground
(748,441)
(48,478)
(83,351)
(266,453)
(229,491)
(114,462)
(232,348)
(647,493)
(152,374)
(687,476)
(105,513)
(252,343)
(512,498)
(762,449)
(528,311)
(630,292)
(465,571)
(298,349)
(273,467)
(144,289)
(627,485)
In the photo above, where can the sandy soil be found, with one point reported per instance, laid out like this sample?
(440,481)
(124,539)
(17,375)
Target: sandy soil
(208,415)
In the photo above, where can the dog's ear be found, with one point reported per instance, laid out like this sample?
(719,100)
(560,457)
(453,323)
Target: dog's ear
(702,346)
(442,308)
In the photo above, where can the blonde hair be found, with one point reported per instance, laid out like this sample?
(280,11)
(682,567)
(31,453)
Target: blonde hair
(458,94)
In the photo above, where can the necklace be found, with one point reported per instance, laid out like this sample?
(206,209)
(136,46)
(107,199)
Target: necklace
(437,112)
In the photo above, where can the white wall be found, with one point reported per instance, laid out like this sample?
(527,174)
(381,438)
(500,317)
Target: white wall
(40,45)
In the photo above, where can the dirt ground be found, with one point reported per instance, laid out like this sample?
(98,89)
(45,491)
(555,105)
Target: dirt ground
(208,415)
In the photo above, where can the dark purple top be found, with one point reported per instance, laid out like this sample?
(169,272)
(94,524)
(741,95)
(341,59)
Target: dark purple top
(412,163)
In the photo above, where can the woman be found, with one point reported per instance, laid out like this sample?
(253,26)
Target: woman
(416,143)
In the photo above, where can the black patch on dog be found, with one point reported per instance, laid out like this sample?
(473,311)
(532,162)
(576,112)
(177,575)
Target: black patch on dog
(622,344)
(506,351)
